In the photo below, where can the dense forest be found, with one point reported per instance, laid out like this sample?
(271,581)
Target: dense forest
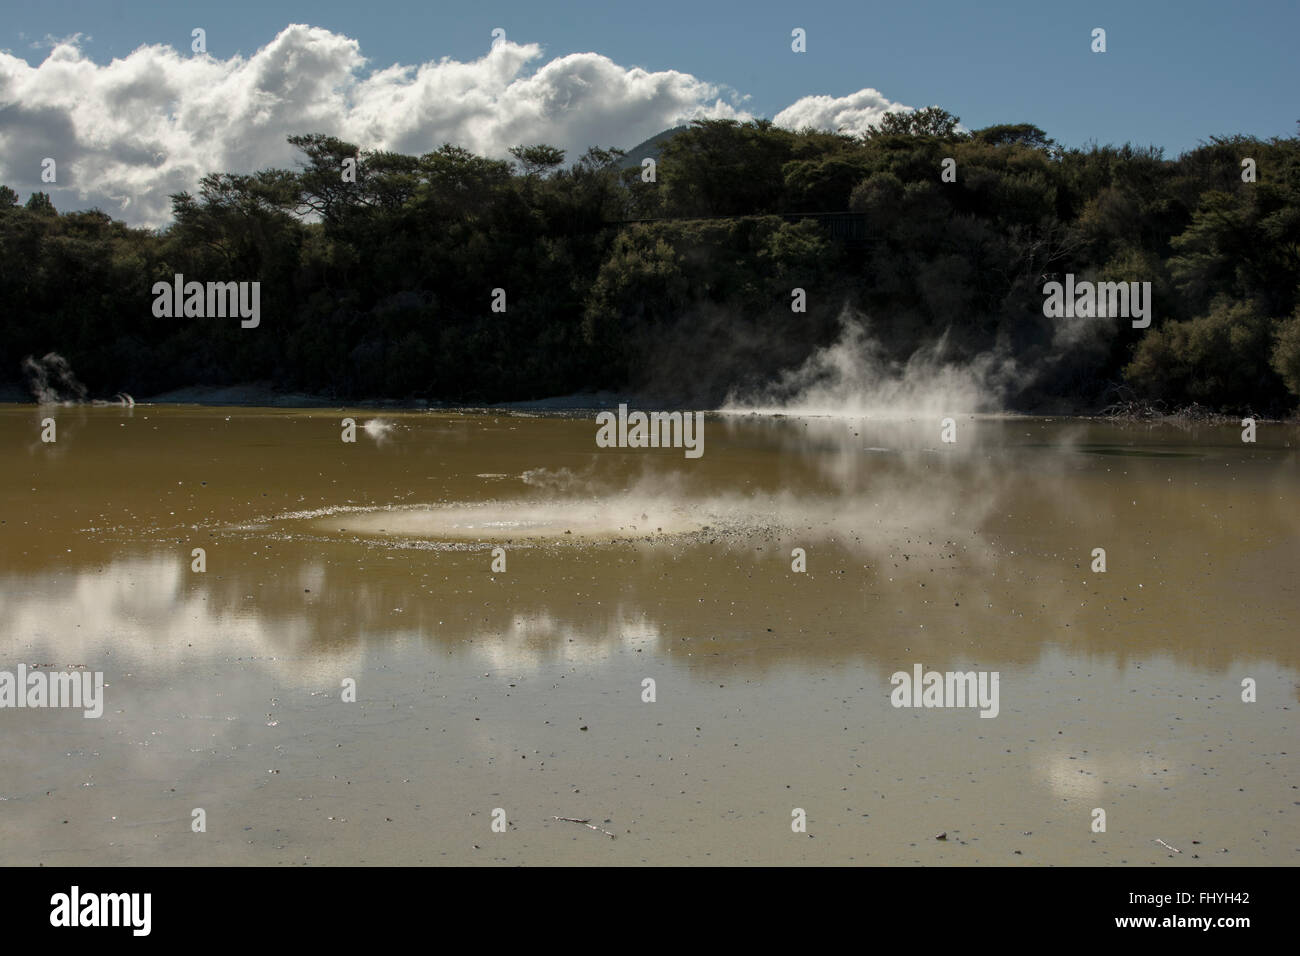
(681,287)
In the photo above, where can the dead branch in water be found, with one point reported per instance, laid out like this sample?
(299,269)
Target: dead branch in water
(587,824)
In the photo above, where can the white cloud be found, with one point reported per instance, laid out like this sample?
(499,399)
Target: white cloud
(51,41)
(849,114)
(127,134)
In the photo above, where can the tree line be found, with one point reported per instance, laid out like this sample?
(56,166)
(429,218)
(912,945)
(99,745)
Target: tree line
(382,287)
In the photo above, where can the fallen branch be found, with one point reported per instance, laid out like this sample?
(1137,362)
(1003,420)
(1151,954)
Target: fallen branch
(588,825)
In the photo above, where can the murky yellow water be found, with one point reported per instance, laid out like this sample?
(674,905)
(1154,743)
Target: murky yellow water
(522,689)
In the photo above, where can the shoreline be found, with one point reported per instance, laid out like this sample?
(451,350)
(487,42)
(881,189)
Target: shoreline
(257,397)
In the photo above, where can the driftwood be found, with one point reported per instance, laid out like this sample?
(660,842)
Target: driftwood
(588,824)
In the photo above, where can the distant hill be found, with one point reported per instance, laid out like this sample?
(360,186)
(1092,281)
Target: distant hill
(649,148)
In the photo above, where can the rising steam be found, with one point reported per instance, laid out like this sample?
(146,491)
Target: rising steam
(52,382)
(854,377)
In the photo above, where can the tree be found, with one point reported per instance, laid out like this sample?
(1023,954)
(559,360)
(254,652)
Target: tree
(1285,357)
(1219,359)
(721,167)
(1245,243)
(40,203)
(537,160)
(930,121)
(1016,134)
(377,285)
(322,189)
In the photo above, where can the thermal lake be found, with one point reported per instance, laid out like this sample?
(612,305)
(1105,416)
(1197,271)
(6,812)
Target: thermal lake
(685,653)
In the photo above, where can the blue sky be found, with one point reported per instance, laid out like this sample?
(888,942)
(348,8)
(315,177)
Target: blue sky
(1174,74)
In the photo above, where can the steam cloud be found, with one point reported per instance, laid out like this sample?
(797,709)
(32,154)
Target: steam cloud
(51,380)
(855,378)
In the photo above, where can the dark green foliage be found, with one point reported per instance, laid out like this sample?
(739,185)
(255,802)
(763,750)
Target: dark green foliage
(1285,357)
(380,285)
(930,121)
(1220,359)
(40,203)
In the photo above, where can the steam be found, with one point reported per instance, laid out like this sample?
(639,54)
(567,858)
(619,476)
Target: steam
(584,519)
(854,377)
(52,382)
(869,505)
(564,481)
(379,429)
(549,478)
(1028,362)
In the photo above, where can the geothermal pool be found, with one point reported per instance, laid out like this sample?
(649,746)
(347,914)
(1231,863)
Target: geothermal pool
(498,591)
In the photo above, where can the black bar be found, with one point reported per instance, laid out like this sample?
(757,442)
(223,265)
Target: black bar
(912,905)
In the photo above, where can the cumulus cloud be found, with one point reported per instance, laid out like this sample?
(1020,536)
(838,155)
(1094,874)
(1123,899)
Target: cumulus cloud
(127,134)
(847,114)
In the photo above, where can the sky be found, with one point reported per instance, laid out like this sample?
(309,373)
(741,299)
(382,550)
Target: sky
(114,93)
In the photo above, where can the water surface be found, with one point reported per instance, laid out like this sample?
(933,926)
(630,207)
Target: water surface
(522,689)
